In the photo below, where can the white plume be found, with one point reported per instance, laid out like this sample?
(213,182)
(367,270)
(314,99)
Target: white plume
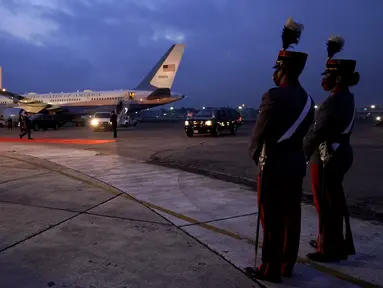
(337,39)
(292,25)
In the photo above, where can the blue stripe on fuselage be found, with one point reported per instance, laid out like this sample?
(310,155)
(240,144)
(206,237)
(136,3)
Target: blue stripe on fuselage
(85,110)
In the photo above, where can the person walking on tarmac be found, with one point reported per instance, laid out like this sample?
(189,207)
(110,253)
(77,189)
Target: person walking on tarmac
(286,114)
(328,145)
(9,123)
(25,126)
(113,119)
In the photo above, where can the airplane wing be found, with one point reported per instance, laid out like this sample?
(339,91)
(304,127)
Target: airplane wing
(16,97)
(28,104)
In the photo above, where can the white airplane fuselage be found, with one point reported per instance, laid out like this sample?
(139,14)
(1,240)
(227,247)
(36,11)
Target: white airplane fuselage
(87,102)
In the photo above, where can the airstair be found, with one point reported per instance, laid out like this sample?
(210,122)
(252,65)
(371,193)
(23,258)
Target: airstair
(122,109)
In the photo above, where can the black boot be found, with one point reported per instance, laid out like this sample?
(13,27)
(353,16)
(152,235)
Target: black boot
(257,274)
(313,243)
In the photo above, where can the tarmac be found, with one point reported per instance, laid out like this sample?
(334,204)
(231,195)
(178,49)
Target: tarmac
(80,218)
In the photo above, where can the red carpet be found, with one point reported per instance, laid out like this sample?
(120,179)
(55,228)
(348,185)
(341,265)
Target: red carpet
(57,141)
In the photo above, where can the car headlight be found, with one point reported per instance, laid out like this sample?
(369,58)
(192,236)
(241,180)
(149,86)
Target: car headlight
(186,123)
(378,118)
(94,122)
(208,123)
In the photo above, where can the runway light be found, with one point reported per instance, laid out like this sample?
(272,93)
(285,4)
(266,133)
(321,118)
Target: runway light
(243,105)
(240,107)
(316,106)
(203,107)
(372,106)
(171,108)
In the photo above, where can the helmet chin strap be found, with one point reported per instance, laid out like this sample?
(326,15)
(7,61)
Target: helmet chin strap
(279,78)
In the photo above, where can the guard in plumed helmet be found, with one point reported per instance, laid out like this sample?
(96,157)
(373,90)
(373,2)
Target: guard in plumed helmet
(276,146)
(328,146)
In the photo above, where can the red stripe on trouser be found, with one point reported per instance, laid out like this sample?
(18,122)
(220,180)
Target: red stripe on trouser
(281,223)
(330,209)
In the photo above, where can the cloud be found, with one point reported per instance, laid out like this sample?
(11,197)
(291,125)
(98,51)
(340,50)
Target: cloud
(30,20)
(230,46)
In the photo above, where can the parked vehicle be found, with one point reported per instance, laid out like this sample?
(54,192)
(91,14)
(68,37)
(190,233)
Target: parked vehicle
(101,121)
(43,121)
(129,121)
(379,120)
(213,121)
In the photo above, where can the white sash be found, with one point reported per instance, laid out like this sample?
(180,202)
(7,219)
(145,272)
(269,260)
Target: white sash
(298,122)
(346,131)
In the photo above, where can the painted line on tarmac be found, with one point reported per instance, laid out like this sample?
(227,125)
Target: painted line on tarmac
(76,175)
(57,141)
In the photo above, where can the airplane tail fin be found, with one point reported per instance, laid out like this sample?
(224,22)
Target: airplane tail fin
(163,73)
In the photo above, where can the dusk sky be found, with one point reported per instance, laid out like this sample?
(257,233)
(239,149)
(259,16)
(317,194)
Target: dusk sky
(231,46)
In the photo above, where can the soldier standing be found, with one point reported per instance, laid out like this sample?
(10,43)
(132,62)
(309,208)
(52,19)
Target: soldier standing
(113,119)
(286,113)
(328,142)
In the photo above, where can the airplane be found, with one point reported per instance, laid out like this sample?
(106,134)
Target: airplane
(154,90)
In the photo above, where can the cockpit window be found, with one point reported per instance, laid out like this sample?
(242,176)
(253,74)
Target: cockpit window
(205,113)
(102,115)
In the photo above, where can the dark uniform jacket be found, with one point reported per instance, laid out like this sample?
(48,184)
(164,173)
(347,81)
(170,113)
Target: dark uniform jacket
(113,119)
(333,117)
(279,110)
(25,123)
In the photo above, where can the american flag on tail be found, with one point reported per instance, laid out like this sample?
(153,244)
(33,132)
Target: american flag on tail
(169,68)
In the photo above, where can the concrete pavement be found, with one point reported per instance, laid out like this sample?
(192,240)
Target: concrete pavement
(218,214)
(225,157)
(59,231)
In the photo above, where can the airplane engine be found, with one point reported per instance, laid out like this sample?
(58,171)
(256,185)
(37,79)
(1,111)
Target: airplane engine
(14,113)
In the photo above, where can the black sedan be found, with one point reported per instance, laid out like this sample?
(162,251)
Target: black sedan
(43,121)
(211,121)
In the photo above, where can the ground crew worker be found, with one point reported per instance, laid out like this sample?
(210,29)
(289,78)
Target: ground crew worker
(328,142)
(25,126)
(286,113)
(113,120)
(9,123)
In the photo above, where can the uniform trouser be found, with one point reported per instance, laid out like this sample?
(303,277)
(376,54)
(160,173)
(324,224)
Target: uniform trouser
(281,222)
(331,208)
(24,132)
(114,131)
